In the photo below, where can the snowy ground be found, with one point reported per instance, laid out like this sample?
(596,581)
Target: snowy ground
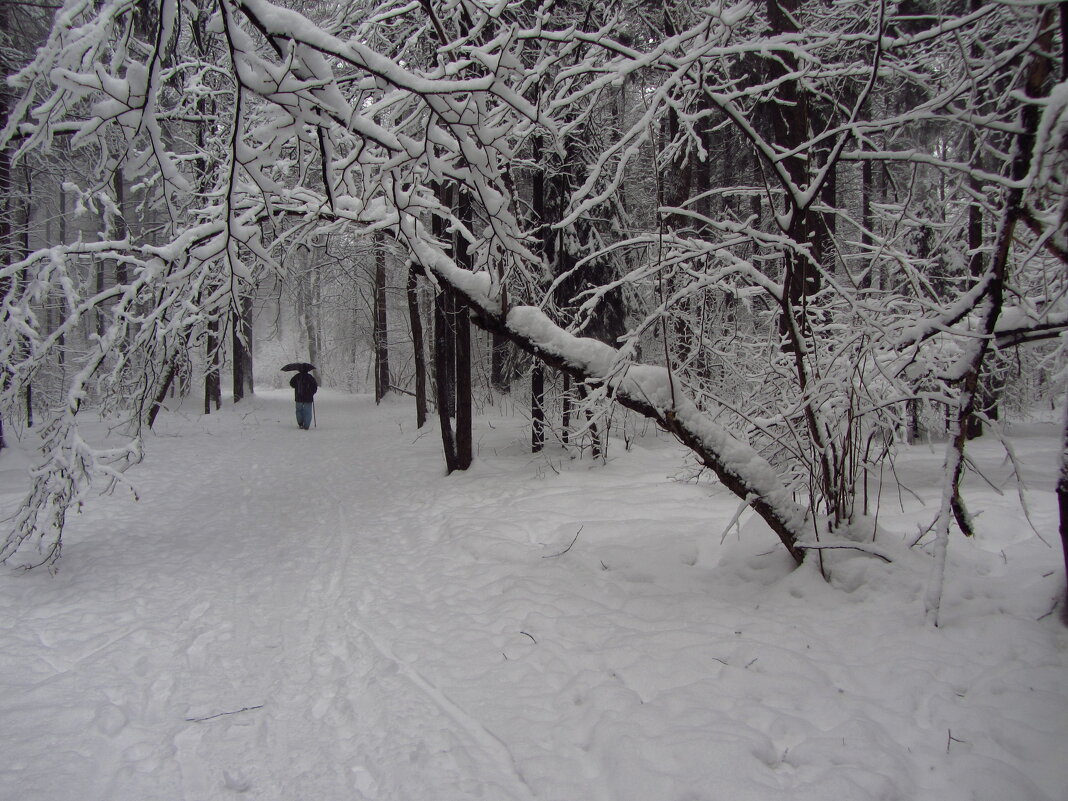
(323,616)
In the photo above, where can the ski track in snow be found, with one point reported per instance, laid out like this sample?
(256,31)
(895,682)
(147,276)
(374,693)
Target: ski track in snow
(322,615)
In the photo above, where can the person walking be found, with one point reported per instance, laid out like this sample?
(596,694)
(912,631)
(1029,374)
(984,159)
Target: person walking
(304,388)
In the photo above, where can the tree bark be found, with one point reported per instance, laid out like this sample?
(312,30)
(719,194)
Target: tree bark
(380,327)
(161,395)
(1062,506)
(444,344)
(416,322)
(443,354)
(241,346)
(461,328)
(500,376)
(212,384)
(537,406)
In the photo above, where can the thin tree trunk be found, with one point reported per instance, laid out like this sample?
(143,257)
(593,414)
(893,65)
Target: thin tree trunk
(444,344)
(1062,505)
(461,327)
(157,402)
(537,374)
(443,354)
(212,384)
(27,216)
(247,310)
(6,245)
(416,322)
(241,346)
(537,406)
(499,377)
(121,229)
(565,422)
(380,327)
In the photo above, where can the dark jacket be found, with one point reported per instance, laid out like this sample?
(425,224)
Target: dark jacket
(304,387)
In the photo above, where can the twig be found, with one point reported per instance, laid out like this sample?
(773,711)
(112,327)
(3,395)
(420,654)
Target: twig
(951,739)
(1052,609)
(828,547)
(221,714)
(568,548)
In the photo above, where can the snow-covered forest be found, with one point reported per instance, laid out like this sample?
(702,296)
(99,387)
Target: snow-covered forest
(801,249)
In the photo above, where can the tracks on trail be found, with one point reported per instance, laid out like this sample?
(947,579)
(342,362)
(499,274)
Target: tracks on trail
(343,716)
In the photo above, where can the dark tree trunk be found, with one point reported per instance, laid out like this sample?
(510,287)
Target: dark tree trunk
(417,345)
(986,400)
(461,327)
(27,217)
(121,228)
(1062,504)
(241,346)
(247,311)
(537,406)
(565,422)
(161,395)
(443,354)
(500,375)
(212,384)
(381,338)
(537,374)
(6,245)
(444,346)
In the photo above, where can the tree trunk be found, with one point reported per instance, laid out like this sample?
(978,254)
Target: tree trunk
(311,322)
(212,384)
(500,375)
(444,345)
(443,354)
(161,395)
(461,328)
(417,346)
(27,217)
(380,329)
(241,346)
(565,421)
(7,251)
(537,406)
(121,229)
(1062,506)
(537,374)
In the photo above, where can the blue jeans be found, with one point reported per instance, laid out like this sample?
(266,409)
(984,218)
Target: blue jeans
(304,414)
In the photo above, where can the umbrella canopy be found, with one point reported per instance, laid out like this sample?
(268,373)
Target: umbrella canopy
(302,367)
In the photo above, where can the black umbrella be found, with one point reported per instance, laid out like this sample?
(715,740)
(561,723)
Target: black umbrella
(302,367)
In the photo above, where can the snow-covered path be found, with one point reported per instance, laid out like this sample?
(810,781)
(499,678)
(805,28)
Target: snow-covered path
(231,643)
(322,615)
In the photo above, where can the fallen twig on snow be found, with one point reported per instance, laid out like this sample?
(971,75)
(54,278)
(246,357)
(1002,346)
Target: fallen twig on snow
(222,714)
(568,548)
(821,546)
